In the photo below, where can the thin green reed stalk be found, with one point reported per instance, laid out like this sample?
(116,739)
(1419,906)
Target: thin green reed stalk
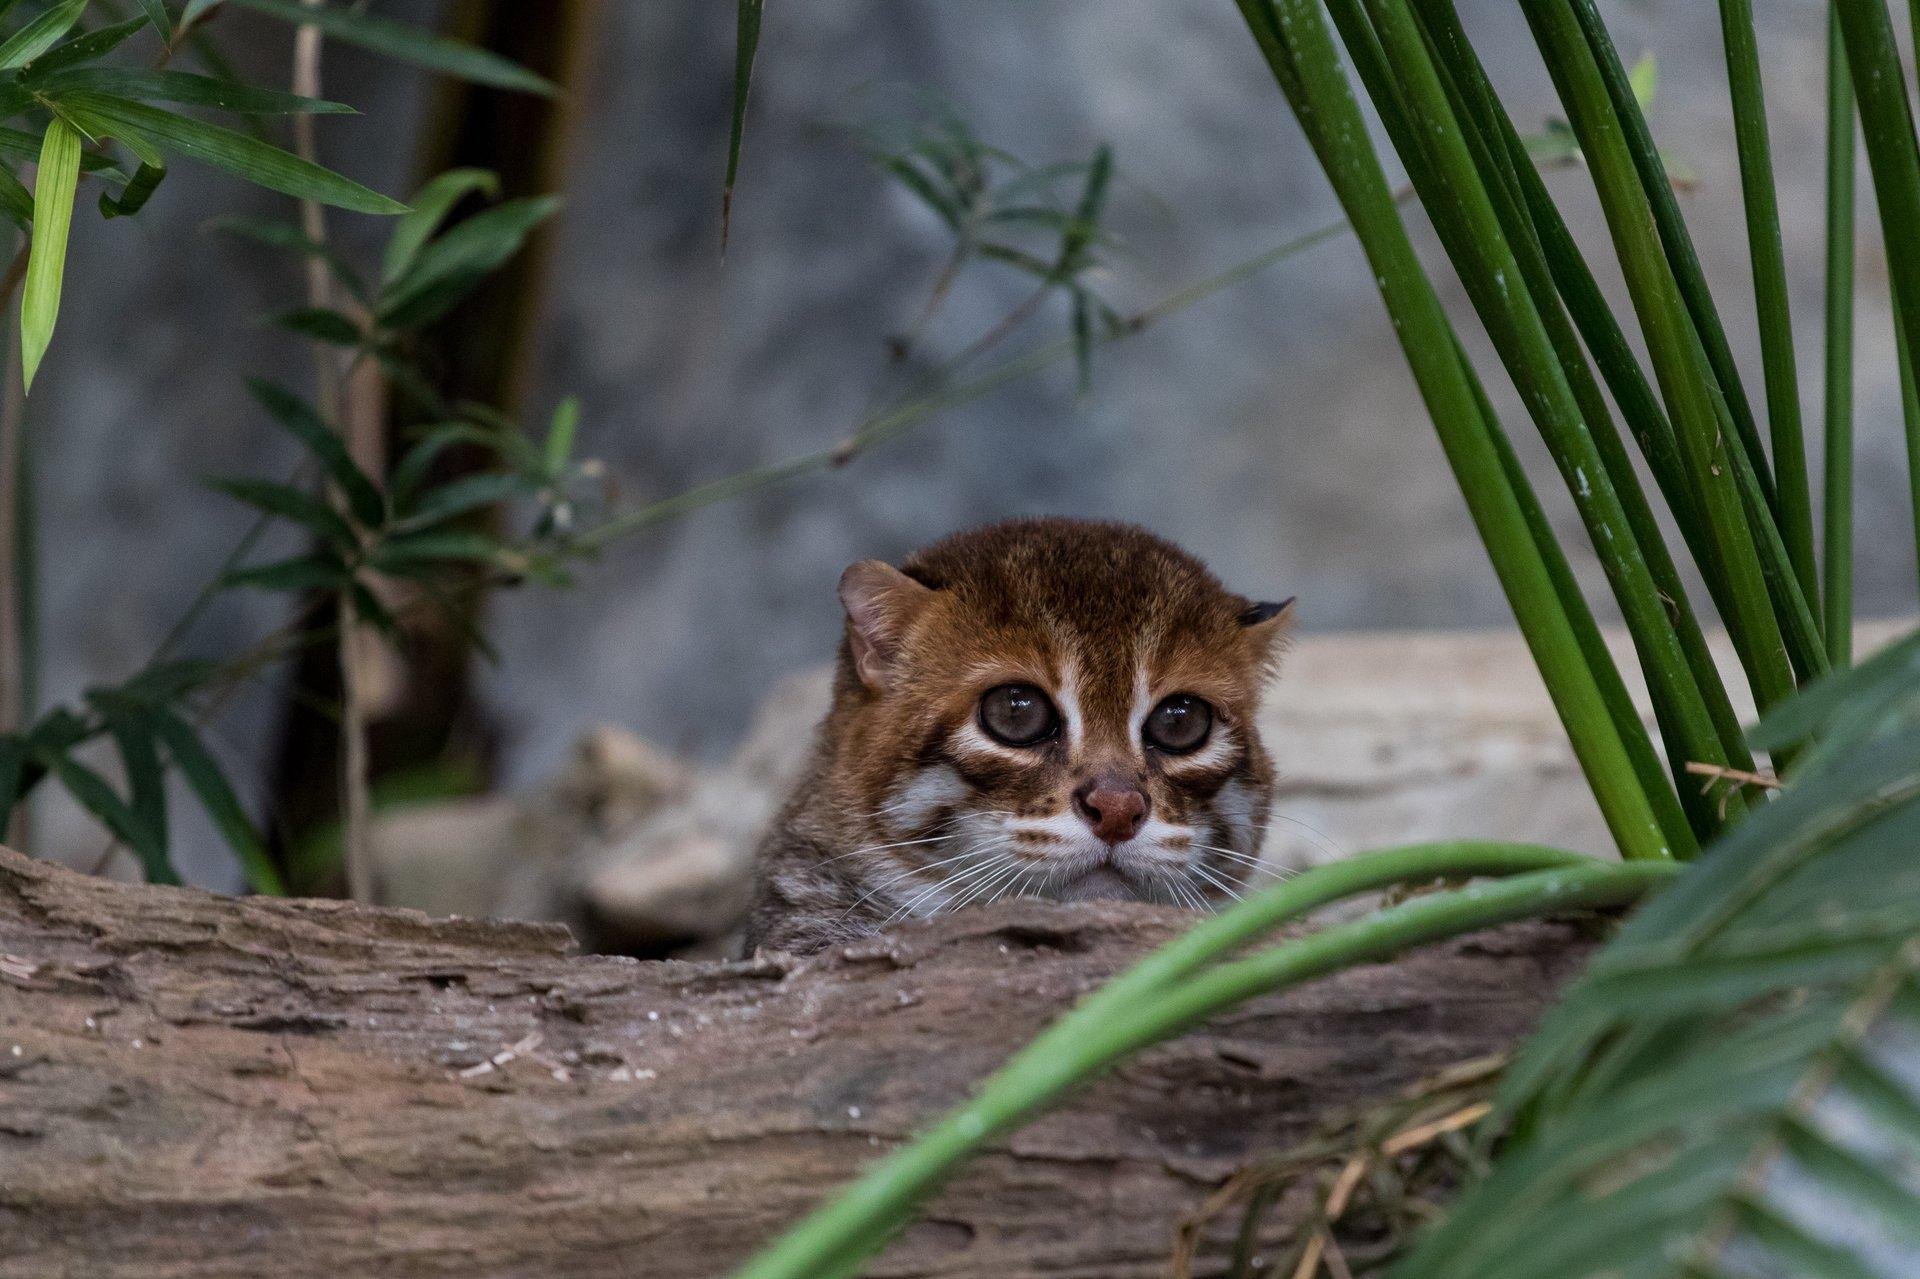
(1462,175)
(1886,125)
(1315,83)
(1837,513)
(1689,279)
(1181,985)
(1770,289)
(1556,273)
(1684,374)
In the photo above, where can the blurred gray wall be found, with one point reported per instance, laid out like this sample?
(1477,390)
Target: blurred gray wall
(1273,429)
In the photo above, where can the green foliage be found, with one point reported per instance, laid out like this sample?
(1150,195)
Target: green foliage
(76,114)
(1002,210)
(1731,1088)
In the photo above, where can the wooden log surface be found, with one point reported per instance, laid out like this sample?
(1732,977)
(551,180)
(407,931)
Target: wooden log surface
(197,1085)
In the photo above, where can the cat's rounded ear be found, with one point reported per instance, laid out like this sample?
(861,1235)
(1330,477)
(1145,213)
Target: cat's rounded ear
(1265,624)
(881,602)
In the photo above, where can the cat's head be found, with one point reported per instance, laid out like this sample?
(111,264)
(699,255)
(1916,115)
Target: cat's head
(1053,708)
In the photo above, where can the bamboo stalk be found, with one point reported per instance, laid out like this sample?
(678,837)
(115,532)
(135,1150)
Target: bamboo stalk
(339,404)
(1686,381)
(1690,281)
(1300,53)
(1886,126)
(1837,506)
(1795,507)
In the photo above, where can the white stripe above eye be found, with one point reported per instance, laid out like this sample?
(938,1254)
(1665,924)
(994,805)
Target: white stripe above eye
(1142,706)
(1069,695)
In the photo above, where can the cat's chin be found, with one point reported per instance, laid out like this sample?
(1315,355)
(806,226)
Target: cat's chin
(1100,884)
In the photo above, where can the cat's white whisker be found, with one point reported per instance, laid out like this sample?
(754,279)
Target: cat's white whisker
(963,875)
(1198,869)
(1320,839)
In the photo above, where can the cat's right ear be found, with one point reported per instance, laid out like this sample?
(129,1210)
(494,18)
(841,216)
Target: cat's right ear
(881,602)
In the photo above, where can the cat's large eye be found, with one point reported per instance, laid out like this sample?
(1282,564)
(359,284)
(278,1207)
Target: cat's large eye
(1179,724)
(1018,715)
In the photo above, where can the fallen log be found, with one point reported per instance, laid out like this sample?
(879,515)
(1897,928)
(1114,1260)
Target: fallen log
(197,1085)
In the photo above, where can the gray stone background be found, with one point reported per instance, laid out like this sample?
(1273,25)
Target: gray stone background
(1274,429)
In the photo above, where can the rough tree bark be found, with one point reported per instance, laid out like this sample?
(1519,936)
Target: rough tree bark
(194,1085)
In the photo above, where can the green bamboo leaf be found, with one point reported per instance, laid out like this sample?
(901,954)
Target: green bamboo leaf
(450,267)
(91,792)
(299,419)
(157,15)
(276,234)
(187,88)
(139,188)
(322,323)
(408,44)
(132,733)
(431,205)
(258,162)
(13,760)
(746,45)
(54,186)
(560,433)
(417,551)
(216,795)
(301,573)
(15,200)
(82,48)
(458,497)
(290,503)
(196,10)
(34,39)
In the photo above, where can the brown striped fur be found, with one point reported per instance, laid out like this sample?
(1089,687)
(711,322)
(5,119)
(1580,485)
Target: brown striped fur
(910,805)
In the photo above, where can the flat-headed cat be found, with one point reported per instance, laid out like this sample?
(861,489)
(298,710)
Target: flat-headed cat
(1050,708)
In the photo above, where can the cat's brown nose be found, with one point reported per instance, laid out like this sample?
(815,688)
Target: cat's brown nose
(1114,810)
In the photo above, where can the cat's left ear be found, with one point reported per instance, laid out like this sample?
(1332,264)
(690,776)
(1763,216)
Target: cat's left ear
(881,603)
(1265,624)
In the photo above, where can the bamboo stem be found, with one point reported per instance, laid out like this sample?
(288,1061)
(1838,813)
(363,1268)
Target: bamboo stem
(334,399)
(1837,578)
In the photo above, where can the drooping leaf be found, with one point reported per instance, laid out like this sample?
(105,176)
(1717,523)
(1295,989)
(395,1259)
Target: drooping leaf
(460,496)
(404,556)
(82,48)
(13,758)
(54,185)
(323,323)
(157,15)
(285,235)
(301,573)
(248,157)
(290,503)
(746,46)
(408,44)
(450,267)
(92,792)
(187,88)
(132,732)
(431,205)
(299,419)
(15,200)
(41,34)
(139,188)
(209,784)
(559,446)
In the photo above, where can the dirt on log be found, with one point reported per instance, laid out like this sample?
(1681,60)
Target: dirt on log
(197,1085)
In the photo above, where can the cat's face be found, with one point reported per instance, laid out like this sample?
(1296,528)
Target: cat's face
(1055,709)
